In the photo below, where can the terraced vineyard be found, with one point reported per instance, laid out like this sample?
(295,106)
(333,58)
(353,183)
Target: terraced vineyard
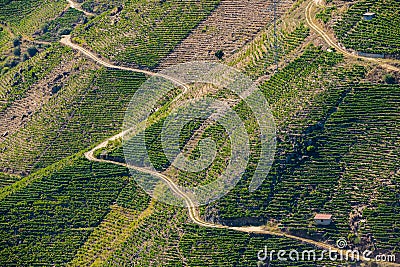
(62,25)
(17,82)
(4,37)
(6,179)
(379,35)
(67,197)
(100,6)
(185,244)
(341,164)
(309,124)
(81,113)
(232,24)
(28,16)
(54,214)
(144,31)
(288,42)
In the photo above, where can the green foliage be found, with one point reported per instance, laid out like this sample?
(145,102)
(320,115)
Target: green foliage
(17,41)
(82,113)
(133,197)
(17,51)
(219,54)
(143,32)
(182,243)
(317,102)
(310,148)
(380,35)
(62,25)
(100,6)
(288,41)
(7,179)
(326,14)
(4,37)
(25,57)
(27,16)
(32,51)
(300,112)
(54,214)
(64,31)
(17,82)
(389,79)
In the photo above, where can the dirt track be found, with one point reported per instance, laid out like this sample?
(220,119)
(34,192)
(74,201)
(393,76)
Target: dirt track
(314,26)
(193,212)
(77,6)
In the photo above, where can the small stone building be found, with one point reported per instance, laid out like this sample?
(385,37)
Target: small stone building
(369,15)
(323,219)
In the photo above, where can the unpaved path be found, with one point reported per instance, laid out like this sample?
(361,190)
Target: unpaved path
(77,6)
(313,25)
(193,212)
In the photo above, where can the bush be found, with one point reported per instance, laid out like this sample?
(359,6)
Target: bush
(12,62)
(219,54)
(25,57)
(55,89)
(32,51)
(17,51)
(45,28)
(310,148)
(64,31)
(16,41)
(389,79)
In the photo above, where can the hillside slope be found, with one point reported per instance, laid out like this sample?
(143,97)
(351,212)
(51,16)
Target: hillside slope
(337,118)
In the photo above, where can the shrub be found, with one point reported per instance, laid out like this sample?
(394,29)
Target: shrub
(32,51)
(389,79)
(55,89)
(219,54)
(12,62)
(16,41)
(45,28)
(64,31)
(17,51)
(310,148)
(25,57)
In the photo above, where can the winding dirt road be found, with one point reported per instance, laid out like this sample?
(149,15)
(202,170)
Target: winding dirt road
(77,6)
(193,212)
(313,25)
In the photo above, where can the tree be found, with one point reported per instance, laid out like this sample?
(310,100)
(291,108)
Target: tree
(310,149)
(11,62)
(25,57)
(45,28)
(64,31)
(32,51)
(16,41)
(389,79)
(219,54)
(17,51)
